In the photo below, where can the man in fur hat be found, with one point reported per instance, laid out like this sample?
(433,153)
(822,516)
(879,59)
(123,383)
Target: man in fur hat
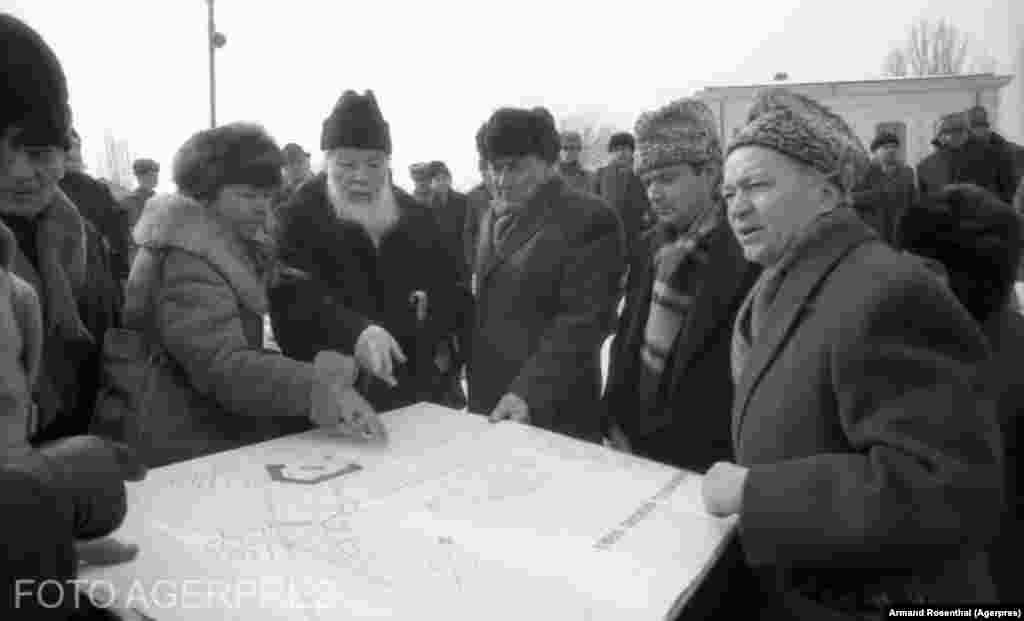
(381,286)
(60,494)
(868,464)
(686,281)
(619,185)
(888,189)
(550,261)
(964,158)
(978,124)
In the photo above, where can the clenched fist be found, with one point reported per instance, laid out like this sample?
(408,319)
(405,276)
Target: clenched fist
(723,489)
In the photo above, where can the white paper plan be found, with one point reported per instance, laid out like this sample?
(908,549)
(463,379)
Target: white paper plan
(455,518)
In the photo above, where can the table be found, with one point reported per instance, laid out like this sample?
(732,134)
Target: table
(454,518)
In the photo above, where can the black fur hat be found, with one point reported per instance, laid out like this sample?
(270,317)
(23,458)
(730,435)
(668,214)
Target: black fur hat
(621,139)
(976,237)
(34,92)
(516,132)
(239,153)
(356,122)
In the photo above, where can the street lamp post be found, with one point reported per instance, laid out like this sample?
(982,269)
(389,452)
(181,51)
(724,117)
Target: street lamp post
(214,41)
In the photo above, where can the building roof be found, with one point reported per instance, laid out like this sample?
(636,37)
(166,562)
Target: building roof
(866,87)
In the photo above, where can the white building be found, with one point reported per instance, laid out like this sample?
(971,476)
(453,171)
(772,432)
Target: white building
(908,106)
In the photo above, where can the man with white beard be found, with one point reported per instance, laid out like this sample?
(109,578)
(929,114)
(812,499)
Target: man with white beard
(379,283)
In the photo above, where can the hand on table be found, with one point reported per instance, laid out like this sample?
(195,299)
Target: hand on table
(722,488)
(336,404)
(378,352)
(511,407)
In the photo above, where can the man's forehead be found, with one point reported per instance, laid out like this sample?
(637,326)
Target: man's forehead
(663,171)
(753,160)
(511,160)
(361,155)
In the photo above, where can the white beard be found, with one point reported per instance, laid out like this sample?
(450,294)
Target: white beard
(378,217)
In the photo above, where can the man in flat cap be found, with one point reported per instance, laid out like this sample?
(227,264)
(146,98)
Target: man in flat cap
(569,165)
(868,464)
(962,158)
(978,124)
(450,208)
(296,170)
(887,190)
(381,286)
(549,264)
(147,176)
(619,185)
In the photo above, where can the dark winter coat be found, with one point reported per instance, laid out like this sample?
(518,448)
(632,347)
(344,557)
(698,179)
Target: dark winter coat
(874,462)
(352,285)
(621,188)
(195,292)
(576,177)
(1005,331)
(545,301)
(697,384)
(977,162)
(882,198)
(97,205)
(451,214)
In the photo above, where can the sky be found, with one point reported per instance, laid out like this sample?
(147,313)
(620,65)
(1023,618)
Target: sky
(139,68)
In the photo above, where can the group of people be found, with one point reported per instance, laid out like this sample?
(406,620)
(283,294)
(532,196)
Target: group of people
(846,391)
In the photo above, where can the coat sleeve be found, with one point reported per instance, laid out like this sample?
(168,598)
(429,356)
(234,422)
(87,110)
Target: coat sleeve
(922,477)
(307,319)
(199,323)
(587,296)
(624,344)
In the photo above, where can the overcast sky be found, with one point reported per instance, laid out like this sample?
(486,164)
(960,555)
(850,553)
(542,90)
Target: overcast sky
(139,67)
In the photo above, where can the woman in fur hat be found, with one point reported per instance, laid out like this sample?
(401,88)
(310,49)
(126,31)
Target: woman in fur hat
(198,289)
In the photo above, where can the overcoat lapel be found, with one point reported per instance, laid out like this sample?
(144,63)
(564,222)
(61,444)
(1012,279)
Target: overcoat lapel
(820,255)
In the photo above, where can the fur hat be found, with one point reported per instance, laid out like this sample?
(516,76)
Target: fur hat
(682,132)
(620,140)
(356,122)
(952,122)
(805,130)
(34,93)
(884,138)
(572,136)
(516,132)
(976,237)
(292,152)
(239,153)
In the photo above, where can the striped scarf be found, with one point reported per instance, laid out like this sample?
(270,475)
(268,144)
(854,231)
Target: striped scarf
(676,282)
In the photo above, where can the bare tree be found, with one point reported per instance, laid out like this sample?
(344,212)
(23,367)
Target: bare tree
(895,64)
(594,133)
(932,48)
(115,161)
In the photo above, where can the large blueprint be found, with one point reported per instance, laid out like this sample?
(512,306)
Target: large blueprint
(455,518)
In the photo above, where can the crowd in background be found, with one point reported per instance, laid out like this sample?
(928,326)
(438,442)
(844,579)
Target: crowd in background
(827,334)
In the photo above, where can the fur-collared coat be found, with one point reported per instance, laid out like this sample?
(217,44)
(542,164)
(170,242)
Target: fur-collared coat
(545,301)
(874,459)
(193,289)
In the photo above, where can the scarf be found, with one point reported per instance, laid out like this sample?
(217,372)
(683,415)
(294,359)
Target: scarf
(676,283)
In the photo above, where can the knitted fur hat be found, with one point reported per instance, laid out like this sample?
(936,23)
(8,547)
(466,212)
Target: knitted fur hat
(34,92)
(356,122)
(682,132)
(805,130)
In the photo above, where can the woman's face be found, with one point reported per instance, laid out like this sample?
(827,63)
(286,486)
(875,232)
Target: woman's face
(245,207)
(28,175)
